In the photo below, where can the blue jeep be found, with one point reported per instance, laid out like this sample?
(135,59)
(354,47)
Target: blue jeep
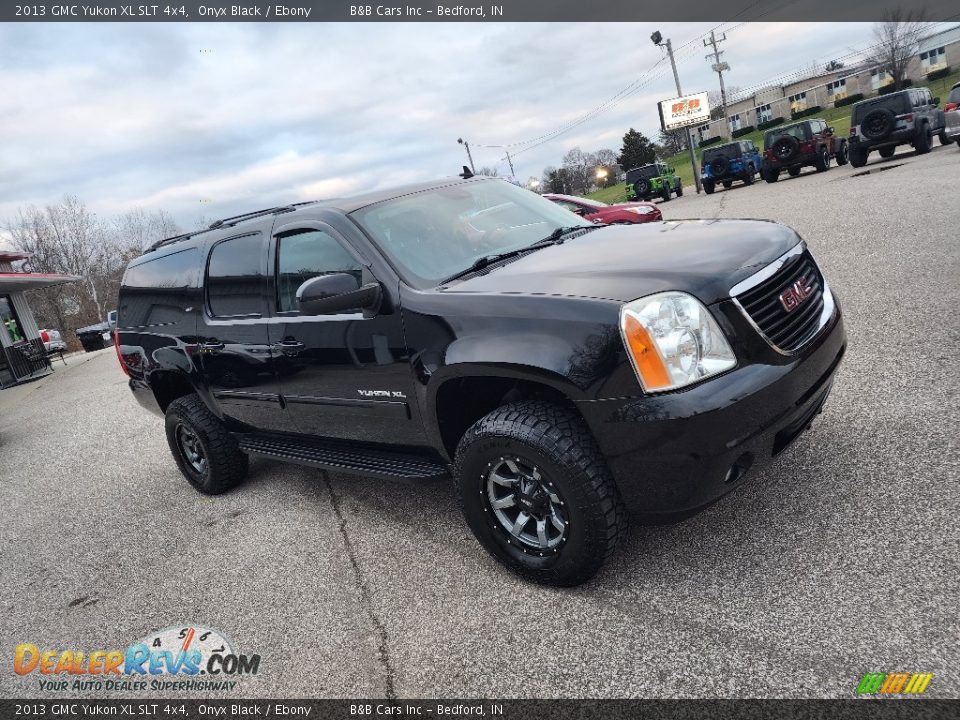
(738,160)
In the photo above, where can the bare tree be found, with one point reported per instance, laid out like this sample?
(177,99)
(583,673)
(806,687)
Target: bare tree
(897,38)
(488,171)
(673,141)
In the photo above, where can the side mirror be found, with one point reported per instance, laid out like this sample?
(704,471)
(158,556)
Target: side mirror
(336,292)
(830,130)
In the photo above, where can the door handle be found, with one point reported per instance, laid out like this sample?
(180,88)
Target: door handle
(290,346)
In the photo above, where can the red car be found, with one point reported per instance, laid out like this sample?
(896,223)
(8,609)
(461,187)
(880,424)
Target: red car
(619,214)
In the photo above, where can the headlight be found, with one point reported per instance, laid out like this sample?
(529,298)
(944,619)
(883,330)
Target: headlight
(642,210)
(673,341)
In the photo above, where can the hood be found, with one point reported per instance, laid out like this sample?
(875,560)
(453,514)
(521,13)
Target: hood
(623,262)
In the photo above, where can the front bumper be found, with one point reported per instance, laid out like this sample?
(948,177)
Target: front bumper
(680,451)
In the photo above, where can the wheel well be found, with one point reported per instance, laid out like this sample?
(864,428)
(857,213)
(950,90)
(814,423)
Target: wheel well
(463,401)
(168,386)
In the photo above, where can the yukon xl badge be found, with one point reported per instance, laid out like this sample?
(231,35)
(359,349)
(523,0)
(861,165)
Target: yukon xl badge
(382,393)
(793,296)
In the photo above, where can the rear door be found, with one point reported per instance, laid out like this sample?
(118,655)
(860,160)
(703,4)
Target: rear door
(345,375)
(233,341)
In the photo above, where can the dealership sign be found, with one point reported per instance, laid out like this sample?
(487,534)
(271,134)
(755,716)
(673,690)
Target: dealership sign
(683,111)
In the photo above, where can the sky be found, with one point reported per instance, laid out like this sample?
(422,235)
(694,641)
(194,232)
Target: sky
(208,120)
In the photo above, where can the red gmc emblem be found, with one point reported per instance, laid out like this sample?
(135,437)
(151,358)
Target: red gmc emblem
(793,296)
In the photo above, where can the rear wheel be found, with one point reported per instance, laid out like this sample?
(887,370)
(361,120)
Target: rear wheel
(858,157)
(886,152)
(924,140)
(206,453)
(679,188)
(537,493)
(665,192)
(944,140)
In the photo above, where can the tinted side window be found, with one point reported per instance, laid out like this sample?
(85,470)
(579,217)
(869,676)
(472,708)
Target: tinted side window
(155,292)
(307,254)
(235,277)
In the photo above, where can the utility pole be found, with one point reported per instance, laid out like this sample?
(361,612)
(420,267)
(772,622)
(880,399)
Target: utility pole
(718,66)
(510,163)
(657,39)
(469,156)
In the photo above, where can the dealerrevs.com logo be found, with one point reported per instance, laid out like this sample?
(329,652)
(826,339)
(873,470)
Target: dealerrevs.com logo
(897,683)
(180,657)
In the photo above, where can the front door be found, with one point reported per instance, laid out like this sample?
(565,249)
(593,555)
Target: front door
(233,341)
(343,376)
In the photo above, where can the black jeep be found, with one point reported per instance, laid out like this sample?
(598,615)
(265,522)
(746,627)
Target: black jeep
(562,372)
(795,146)
(907,117)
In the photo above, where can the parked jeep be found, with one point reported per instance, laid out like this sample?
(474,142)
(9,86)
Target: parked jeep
(737,160)
(562,372)
(907,117)
(654,180)
(795,146)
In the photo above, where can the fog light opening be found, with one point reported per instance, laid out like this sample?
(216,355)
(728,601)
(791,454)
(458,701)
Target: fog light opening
(738,469)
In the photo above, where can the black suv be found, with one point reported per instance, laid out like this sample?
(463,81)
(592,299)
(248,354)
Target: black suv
(907,117)
(561,371)
(795,146)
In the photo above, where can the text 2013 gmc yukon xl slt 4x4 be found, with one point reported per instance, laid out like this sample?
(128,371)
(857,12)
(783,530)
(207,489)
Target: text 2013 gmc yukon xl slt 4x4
(564,372)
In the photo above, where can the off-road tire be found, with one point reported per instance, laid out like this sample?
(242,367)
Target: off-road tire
(727,184)
(842,156)
(769,175)
(226,465)
(641,188)
(665,192)
(887,152)
(679,189)
(878,123)
(558,441)
(944,140)
(785,147)
(924,142)
(748,178)
(794,171)
(858,157)
(822,161)
(708,187)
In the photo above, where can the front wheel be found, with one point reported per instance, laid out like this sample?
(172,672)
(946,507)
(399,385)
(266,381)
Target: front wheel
(822,161)
(665,193)
(708,187)
(924,141)
(944,139)
(537,493)
(794,171)
(206,453)
(679,189)
(842,156)
(728,184)
(858,157)
(770,175)
(748,178)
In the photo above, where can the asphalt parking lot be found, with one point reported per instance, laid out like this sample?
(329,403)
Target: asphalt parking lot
(841,558)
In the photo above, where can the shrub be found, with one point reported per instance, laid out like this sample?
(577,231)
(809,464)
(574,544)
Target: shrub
(938,74)
(848,100)
(746,130)
(886,89)
(770,123)
(710,141)
(806,113)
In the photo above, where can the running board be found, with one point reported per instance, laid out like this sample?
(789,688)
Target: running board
(339,456)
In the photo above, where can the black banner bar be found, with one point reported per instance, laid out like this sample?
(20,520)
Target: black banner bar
(153,709)
(467,11)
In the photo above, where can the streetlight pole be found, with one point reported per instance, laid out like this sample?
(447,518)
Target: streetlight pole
(658,40)
(469,156)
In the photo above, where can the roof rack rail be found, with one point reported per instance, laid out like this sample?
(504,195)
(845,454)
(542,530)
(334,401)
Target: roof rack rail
(230,221)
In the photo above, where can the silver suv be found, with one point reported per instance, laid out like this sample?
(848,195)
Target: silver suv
(907,117)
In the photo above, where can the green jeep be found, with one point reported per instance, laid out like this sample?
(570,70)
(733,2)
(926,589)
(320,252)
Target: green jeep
(653,180)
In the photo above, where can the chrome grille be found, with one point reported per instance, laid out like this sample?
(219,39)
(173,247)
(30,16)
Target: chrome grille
(786,330)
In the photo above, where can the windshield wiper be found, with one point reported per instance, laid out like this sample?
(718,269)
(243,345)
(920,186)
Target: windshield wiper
(554,238)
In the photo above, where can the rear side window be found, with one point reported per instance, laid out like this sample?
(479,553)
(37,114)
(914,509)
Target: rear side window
(307,254)
(235,277)
(155,292)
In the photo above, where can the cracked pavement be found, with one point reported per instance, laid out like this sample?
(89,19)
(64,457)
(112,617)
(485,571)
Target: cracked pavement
(839,559)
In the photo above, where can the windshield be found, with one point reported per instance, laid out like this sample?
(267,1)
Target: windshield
(436,233)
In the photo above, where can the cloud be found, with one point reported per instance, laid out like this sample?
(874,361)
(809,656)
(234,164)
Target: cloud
(211,119)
